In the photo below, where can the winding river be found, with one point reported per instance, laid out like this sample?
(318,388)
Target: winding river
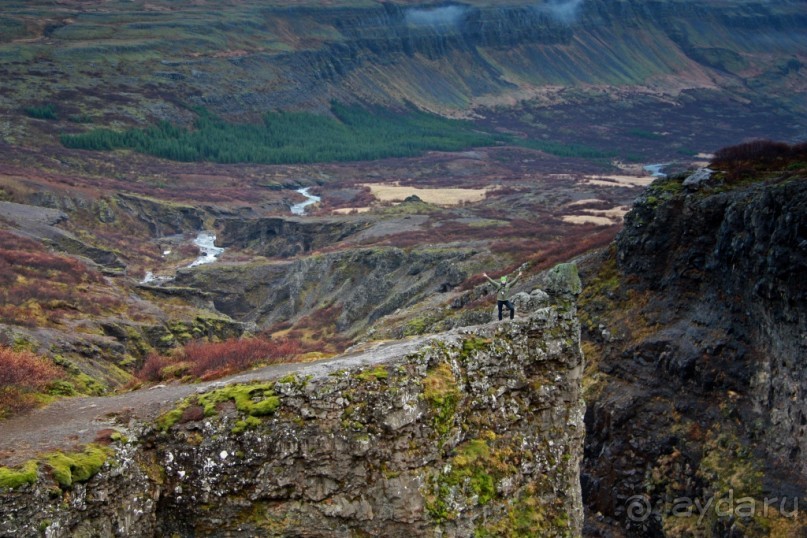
(299,209)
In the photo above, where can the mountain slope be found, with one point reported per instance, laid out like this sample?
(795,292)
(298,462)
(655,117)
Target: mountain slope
(156,58)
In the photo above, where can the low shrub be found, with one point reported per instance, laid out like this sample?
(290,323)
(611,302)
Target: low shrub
(23,376)
(209,360)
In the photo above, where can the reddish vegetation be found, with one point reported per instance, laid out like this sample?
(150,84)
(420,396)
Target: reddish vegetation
(580,239)
(22,374)
(40,288)
(745,160)
(209,360)
(759,152)
(584,239)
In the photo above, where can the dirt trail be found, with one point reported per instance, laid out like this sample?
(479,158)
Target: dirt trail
(71,423)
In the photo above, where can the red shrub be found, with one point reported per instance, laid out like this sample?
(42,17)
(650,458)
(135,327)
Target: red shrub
(152,368)
(22,373)
(208,360)
(25,369)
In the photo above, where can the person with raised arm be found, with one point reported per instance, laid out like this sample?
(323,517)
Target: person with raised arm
(503,293)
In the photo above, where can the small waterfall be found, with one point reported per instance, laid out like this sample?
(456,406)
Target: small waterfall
(206,241)
(655,169)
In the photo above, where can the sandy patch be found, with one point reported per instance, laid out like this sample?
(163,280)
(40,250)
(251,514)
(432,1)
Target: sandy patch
(632,169)
(618,181)
(394,192)
(614,213)
(588,219)
(349,210)
(588,201)
(600,217)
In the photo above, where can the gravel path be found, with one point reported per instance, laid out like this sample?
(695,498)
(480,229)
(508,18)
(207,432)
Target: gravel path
(71,423)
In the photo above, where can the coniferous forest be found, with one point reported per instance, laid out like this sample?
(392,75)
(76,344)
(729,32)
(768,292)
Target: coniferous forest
(353,133)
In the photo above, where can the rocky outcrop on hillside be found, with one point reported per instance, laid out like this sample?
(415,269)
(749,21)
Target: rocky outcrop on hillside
(474,432)
(162,218)
(699,315)
(287,237)
(357,286)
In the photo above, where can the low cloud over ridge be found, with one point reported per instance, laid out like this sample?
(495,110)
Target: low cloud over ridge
(438,16)
(564,11)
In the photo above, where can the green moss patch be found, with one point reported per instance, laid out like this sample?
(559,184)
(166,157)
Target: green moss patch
(440,390)
(474,343)
(66,468)
(69,469)
(374,374)
(527,516)
(478,464)
(254,400)
(14,478)
(166,420)
(249,423)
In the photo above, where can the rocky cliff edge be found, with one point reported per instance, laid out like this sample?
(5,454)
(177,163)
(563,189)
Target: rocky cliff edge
(478,431)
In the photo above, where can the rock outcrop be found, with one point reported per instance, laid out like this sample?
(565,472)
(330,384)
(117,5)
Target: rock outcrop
(473,432)
(287,237)
(700,313)
(357,286)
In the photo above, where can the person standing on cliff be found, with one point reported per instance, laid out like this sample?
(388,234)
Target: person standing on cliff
(503,293)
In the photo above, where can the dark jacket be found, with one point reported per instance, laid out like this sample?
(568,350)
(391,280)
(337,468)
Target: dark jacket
(503,290)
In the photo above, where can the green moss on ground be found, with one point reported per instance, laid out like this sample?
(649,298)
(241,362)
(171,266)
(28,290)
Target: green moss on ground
(14,478)
(440,390)
(374,374)
(166,420)
(255,400)
(66,468)
(69,469)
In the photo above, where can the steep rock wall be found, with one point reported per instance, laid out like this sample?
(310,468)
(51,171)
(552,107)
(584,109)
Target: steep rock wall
(701,321)
(472,431)
(287,237)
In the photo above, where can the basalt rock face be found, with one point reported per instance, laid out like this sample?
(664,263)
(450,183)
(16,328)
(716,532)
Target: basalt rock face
(358,286)
(286,237)
(709,363)
(473,432)
(162,218)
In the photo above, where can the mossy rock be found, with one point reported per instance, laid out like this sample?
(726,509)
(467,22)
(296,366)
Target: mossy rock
(563,279)
(15,478)
(69,469)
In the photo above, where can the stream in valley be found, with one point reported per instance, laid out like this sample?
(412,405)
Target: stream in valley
(208,253)
(299,209)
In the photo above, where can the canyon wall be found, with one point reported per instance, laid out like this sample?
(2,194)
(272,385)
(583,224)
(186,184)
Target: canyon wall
(700,316)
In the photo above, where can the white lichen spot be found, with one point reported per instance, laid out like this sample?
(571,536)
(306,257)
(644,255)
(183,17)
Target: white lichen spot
(223,455)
